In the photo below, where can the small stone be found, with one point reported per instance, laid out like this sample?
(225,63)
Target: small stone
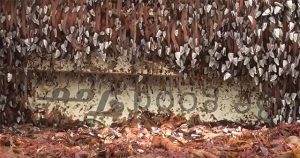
(225,130)
(140,150)
(239,129)
(168,133)
(195,135)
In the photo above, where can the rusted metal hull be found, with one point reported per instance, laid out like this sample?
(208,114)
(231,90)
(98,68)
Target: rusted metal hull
(195,40)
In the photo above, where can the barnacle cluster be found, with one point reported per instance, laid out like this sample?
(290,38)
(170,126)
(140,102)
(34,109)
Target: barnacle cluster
(256,38)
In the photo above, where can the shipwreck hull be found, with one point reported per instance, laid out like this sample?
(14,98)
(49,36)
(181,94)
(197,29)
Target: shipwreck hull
(246,53)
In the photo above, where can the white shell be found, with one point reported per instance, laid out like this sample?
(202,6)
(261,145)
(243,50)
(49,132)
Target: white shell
(227,75)
(9,77)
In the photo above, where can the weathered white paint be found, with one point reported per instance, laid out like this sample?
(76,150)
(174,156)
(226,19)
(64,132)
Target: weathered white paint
(152,85)
(227,97)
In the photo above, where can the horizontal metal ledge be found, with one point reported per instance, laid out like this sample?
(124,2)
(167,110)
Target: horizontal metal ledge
(89,72)
(104,73)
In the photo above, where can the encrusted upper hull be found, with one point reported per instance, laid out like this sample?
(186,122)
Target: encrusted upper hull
(230,39)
